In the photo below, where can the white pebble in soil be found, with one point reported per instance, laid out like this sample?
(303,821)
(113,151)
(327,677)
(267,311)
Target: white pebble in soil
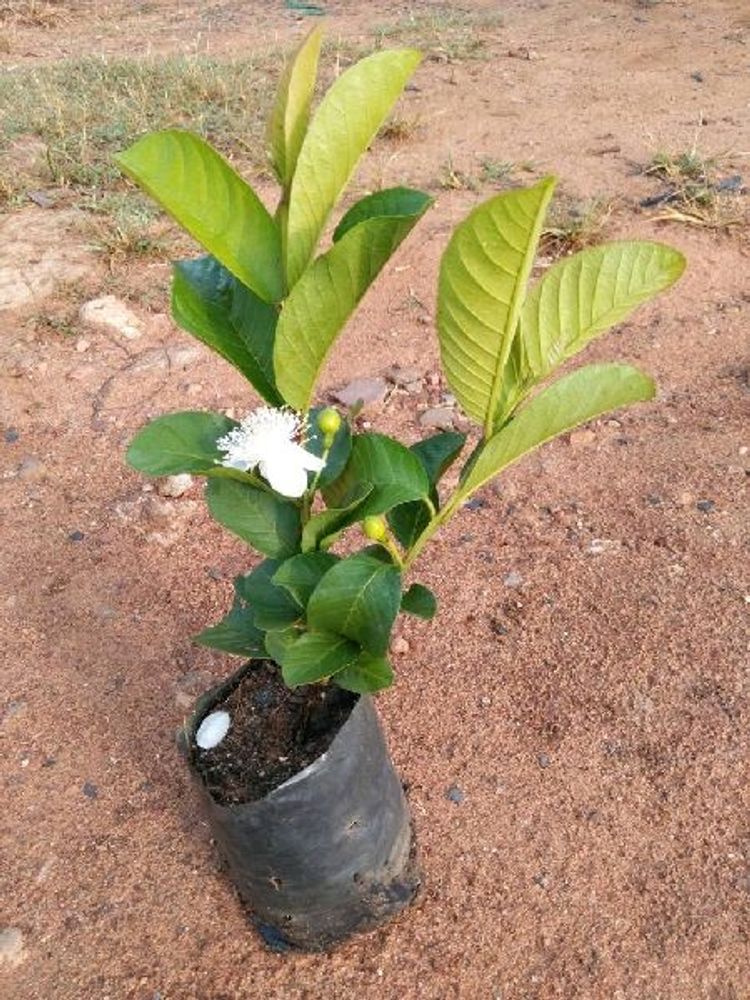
(212,730)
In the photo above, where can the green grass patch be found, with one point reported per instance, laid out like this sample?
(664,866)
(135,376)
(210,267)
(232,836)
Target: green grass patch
(446,33)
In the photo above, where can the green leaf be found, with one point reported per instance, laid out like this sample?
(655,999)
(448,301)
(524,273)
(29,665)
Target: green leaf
(219,310)
(397,201)
(420,601)
(179,442)
(267,522)
(199,189)
(483,276)
(272,606)
(342,128)
(323,528)
(315,655)
(323,299)
(338,456)
(291,111)
(301,574)
(358,598)
(236,633)
(279,642)
(396,474)
(366,675)
(572,400)
(436,453)
(581,296)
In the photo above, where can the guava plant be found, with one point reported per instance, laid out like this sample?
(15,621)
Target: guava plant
(292,476)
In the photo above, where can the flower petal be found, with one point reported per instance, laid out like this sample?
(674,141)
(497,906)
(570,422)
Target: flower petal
(284,473)
(307,460)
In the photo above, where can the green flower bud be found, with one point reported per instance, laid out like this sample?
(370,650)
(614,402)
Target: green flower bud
(375,528)
(329,421)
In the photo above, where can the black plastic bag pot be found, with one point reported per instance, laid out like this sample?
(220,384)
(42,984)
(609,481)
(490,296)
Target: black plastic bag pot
(326,853)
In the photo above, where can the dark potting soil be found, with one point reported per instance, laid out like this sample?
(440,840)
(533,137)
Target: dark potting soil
(274,734)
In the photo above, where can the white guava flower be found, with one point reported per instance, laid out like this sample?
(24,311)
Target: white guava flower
(266,439)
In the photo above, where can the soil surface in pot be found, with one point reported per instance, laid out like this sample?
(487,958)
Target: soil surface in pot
(275,733)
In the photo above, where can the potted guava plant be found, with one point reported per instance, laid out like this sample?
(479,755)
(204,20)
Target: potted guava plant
(303,800)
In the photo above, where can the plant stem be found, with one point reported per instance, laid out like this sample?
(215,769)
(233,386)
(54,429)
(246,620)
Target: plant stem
(437,521)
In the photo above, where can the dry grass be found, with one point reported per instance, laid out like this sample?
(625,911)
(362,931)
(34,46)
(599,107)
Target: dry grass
(698,190)
(34,13)
(447,33)
(573,224)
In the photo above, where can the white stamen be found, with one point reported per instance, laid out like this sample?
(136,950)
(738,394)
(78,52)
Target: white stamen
(266,439)
(212,730)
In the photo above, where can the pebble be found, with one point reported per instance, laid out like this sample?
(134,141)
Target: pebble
(82,345)
(598,546)
(368,390)
(113,315)
(404,376)
(513,579)
(455,795)
(476,503)
(31,469)
(543,760)
(76,536)
(440,417)
(11,946)
(399,646)
(212,730)
(175,486)
(90,790)
(11,435)
(705,506)
(581,439)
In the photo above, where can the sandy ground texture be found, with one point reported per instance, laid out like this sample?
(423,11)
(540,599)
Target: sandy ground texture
(584,694)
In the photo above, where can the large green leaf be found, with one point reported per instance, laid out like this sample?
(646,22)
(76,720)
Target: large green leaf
(323,299)
(581,296)
(291,111)
(322,528)
(580,396)
(342,128)
(179,442)
(236,633)
(272,607)
(199,189)
(359,598)
(314,656)
(436,453)
(219,310)
(267,522)
(391,201)
(366,675)
(301,574)
(395,473)
(483,277)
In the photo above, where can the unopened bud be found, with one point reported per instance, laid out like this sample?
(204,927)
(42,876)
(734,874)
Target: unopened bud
(329,421)
(375,528)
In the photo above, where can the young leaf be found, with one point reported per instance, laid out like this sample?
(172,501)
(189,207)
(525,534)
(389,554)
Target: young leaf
(483,276)
(301,574)
(389,202)
(581,296)
(340,449)
(267,522)
(436,453)
(278,642)
(420,601)
(395,473)
(291,111)
(323,528)
(219,310)
(273,607)
(315,655)
(236,633)
(179,442)
(366,675)
(342,128)
(359,598)
(199,189)
(572,400)
(323,299)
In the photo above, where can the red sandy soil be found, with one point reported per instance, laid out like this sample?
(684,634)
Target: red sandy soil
(595,715)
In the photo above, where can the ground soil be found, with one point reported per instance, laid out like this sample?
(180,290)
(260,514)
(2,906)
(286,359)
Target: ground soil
(274,734)
(573,728)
